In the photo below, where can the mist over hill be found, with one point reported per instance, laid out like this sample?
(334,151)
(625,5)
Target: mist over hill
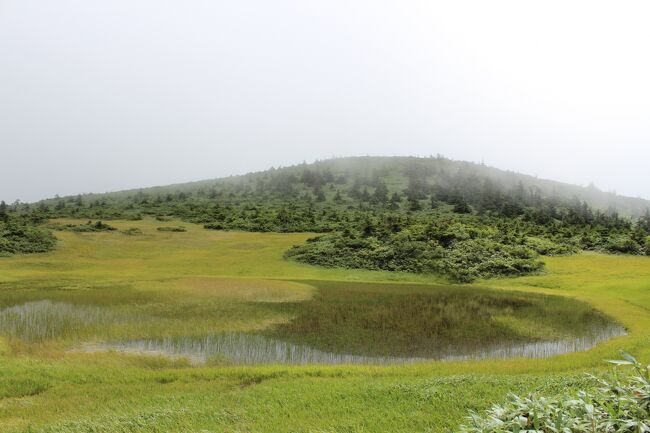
(395,172)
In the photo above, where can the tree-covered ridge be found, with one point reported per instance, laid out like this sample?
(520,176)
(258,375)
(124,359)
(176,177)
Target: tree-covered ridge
(401,214)
(395,172)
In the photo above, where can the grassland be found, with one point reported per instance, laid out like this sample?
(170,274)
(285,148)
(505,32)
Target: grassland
(204,281)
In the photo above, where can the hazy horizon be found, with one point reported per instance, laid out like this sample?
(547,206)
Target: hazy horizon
(145,186)
(105,96)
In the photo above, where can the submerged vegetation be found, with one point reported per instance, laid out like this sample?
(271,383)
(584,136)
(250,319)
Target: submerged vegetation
(428,322)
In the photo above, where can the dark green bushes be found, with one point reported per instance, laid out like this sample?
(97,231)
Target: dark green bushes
(460,257)
(547,247)
(84,228)
(622,244)
(482,258)
(21,238)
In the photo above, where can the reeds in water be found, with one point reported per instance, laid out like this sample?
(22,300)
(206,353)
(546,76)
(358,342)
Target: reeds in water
(250,349)
(45,320)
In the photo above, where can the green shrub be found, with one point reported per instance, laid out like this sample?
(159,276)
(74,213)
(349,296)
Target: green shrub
(548,247)
(618,403)
(133,231)
(17,238)
(172,229)
(481,258)
(84,228)
(409,251)
(622,244)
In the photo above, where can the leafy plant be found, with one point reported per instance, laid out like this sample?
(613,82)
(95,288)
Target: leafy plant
(619,403)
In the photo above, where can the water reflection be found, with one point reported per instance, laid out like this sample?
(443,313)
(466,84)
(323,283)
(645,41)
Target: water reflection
(249,349)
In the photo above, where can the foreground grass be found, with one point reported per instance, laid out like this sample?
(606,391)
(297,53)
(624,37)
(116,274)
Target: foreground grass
(45,390)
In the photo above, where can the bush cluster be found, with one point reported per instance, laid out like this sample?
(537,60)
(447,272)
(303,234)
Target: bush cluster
(90,226)
(22,238)
(177,229)
(461,252)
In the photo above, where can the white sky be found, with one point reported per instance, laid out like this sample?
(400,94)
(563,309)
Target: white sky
(107,95)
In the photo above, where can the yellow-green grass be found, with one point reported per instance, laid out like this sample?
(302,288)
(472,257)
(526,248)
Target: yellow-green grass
(47,389)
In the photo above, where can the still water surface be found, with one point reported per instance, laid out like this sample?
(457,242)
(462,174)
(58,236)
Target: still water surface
(45,320)
(249,349)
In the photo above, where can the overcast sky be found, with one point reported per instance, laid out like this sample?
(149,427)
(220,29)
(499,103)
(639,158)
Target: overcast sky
(107,95)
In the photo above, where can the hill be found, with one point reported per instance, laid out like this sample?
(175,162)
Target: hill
(421,215)
(394,172)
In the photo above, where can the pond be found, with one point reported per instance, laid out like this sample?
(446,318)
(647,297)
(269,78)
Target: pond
(341,324)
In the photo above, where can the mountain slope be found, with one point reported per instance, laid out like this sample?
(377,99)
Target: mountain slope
(394,172)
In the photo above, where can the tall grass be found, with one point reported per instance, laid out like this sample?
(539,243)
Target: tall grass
(46,320)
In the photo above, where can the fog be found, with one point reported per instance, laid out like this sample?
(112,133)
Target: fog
(107,95)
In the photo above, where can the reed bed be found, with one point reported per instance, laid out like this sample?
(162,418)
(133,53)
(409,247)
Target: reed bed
(43,320)
(250,349)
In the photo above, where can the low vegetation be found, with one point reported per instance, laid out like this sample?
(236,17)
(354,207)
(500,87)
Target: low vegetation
(132,231)
(19,235)
(87,227)
(617,404)
(178,229)
(211,281)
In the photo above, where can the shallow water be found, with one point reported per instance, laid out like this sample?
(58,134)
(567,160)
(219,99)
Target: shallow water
(250,349)
(46,320)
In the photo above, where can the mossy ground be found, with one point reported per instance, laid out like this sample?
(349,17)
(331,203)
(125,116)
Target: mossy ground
(43,388)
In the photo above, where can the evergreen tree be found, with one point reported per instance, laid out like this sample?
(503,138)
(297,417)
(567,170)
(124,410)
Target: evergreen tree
(4,215)
(644,221)
(380,195)
(395,201)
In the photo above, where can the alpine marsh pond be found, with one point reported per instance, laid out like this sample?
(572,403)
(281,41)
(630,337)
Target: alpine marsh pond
(137,314)
(232,322)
